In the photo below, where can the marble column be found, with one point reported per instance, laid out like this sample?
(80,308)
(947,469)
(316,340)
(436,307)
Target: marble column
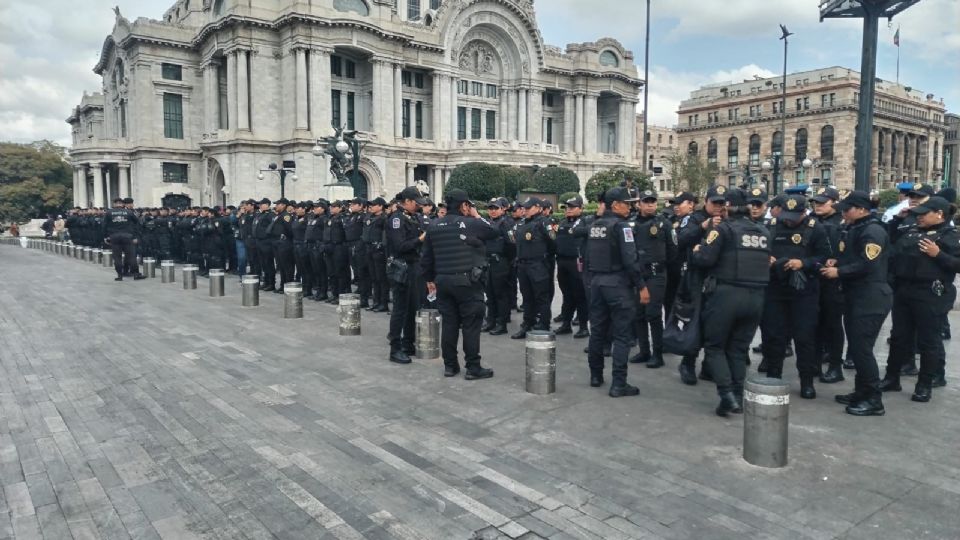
(397,101)
(522,115)
(343,110)
(622,137)
(320,104)
(435,109)
(511,133)
(504,129)
(410,173)
(210,97)
(483,124)
(232,90)
(578,121)
(535,115)
(469,123)
(124,183)
(76,187)
(568,123)
(302,117)
(243,90)
(590,124)
(453,110)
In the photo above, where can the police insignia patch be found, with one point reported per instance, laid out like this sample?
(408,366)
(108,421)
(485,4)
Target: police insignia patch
(685,221)
(721,190)
(368,221)
(712,236)
(286,218)
(756,192)
(796,239)
(873,251)
(812,223)
(821,191)
(842,246)
(396,223)
(654,230)
(791,204)
(528,236)
(627,234)
(917,186)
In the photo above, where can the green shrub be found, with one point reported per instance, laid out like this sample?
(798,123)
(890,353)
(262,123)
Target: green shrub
(481,181)
(888,198)
(554,180)
(514,179)
(609,178)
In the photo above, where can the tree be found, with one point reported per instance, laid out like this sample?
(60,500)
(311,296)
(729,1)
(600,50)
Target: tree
(514,178)
(889,198)
(690,172)
(554,180)
(617,176)
(35,180)
(32,198)
(481,181)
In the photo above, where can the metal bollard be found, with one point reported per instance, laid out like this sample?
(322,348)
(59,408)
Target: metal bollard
(166,271)
(428,334)
(250,287)
(541,362)
(97,256)
(189,276)
(216,282)
(349,311)
(292,300)
(150,267)
(87,254)
(108,259)
(766,421)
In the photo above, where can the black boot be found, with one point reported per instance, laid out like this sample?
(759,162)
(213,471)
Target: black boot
(705,373)
(521,334)
(584,332)
(478,372)
(728,404)
(762,368)
(488,326)
(596,379)
(498,330)
(623,390)
(847,399)
(848,364)
(834,374)
(564,329)
(938,381)
(688,374)
(807,391)
(641,357)
(872,406)
(890,384)
(656,360)
(451,371)
(922,393)
(400,357)
(909,370)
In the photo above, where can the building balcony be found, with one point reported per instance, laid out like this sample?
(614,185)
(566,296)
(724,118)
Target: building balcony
(517,146)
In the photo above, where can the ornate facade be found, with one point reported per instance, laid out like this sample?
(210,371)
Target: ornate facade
(661,144)
(193,107)
(736,126)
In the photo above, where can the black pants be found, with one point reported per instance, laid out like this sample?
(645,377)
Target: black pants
(301,255)
(283,253)
(535,282)
(361,270)
(570,279)
(341,269)
(318,268)
(461,307)
(673,283)
(786,316)
(830,322)
(918,315)
(265,253)
(406,302)
(122,246)
(612,311)
(253,259)
(730,319)
(498,290)
(650,317)
(377,267)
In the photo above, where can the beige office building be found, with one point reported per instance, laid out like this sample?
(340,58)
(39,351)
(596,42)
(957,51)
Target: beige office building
(661,144)
(736,125)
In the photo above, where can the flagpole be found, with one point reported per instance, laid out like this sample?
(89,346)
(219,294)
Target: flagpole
(898,54)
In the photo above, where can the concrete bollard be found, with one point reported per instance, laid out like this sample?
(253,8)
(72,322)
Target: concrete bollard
(216,282)
(87,254)
(349,311)
(428,334)
(541,362)
(108,259)
(97,256)
(250,288)
(189,276)
(150,267)
(766,421)
(292,300)
(166,271)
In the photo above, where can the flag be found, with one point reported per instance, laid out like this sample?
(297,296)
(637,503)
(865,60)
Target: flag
(896,38)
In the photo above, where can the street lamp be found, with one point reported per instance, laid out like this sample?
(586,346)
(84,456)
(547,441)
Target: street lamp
(767,166)
(344,149)
(777,178)
(289,168)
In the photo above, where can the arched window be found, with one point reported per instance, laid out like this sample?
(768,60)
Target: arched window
(936,154)
(218,8)
(754,150)
(692,148)
(826,143)
(777,146)
(712,151)
(608,58)
(800,145)
(358,6)
(733,148)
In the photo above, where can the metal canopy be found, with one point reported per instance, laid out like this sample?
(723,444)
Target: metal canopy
(845,9)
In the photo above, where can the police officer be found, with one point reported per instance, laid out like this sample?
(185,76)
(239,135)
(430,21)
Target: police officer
(207,229)
(800,248)
(264,245)
(757,200)
(569,271)
(657,239)
(118,228)
(313,237)
(861,267)
(681,206)
(616,275)
(353,225)
(281,235)
(373,240)
(335,253)
(247,234)
(535,240)
(499,251)
(830,322)
(404,237)
(301,253)
(735,255)
(925,262)
(453,266)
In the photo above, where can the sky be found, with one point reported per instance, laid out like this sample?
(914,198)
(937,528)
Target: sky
(48,48)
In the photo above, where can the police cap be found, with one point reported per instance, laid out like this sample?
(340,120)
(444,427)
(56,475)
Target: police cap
(856,199)
(826,194)
(933,204)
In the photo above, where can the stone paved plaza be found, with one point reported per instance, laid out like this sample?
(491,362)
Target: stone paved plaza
(140,410)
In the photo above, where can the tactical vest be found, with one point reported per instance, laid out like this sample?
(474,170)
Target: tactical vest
(567,244)
(373,229)
(316,227)
(911,264)
(792,243)
(299,229)
(451,252)
(353,227)
(119,220)
(531,244)
(603,249)
(850,251)
(497,245)
(745,258)
(651,234)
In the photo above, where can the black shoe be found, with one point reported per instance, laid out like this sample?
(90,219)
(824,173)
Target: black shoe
(833,375)
(640,358)
(807,391)
(583,332)
(866,407)
(278,290)
(333,300)
(118,278)
(563,330)
(451,371)
(478,373)
(655,361)
(410,350)
(939,381)
(762,368)
(688,375)
(847,399)
(789,352)
(596,380)
(890,385)
(138,277)
(268,288)
(488,326)
(521,334)
(922,393)
(364,304)
(945,335)
(848,364)
(400,357)
(499,330)
(728,404)
(909,370)
(705,373)
(623,391)
(558,318)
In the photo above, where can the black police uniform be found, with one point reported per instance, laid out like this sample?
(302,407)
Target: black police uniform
(570,277)
(190,240)
(211,243)
(313,236)
(301,253)
(924,294)
(246,226)
(736,257)
(454,260)
(353,225)
(658,240)
(281,235)
(862,265)
(689,233)
(403,256)
(118,227)
(336,257)
(535,249)
(616,275)
(228,239)
(376,261)
(165,226)
(261,231)
(830,322)
(499,272)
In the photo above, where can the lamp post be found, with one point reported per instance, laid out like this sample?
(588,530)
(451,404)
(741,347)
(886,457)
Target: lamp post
(341,147)
(806,164)
(283,172)
(646,91)
(777,179)
(777,175)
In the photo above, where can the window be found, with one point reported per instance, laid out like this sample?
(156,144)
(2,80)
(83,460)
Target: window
(406,117)
(406,78)
(692,148)
(172,72)
(760,110)
(461,123)
(351,124)
(609,58)
(659,138)
(475,115)
(881,146)
(732,181)
(690,120)
(799,103)
(463,87)
(476,89)
(754,150)
(671,140)
(351,5)
(123,118)
(823,100)
(712,152)
(175,173)
(776,107)
(736,113)
(753,111)
(548,130)
(335,110)
(729,114)
(492,125)
(800,146)
(893,150)
(696,119)
(418,80)
(336,65)
(351,69)
(434,4)
(732,150)
(826,177)
(492,91)
(826,143)
(777,146)
(806,103)
(173,116)
(413,10)
(218,8)
(223,120)
(419,120)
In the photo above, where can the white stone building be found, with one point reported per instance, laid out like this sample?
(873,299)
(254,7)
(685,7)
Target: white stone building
(193,107)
